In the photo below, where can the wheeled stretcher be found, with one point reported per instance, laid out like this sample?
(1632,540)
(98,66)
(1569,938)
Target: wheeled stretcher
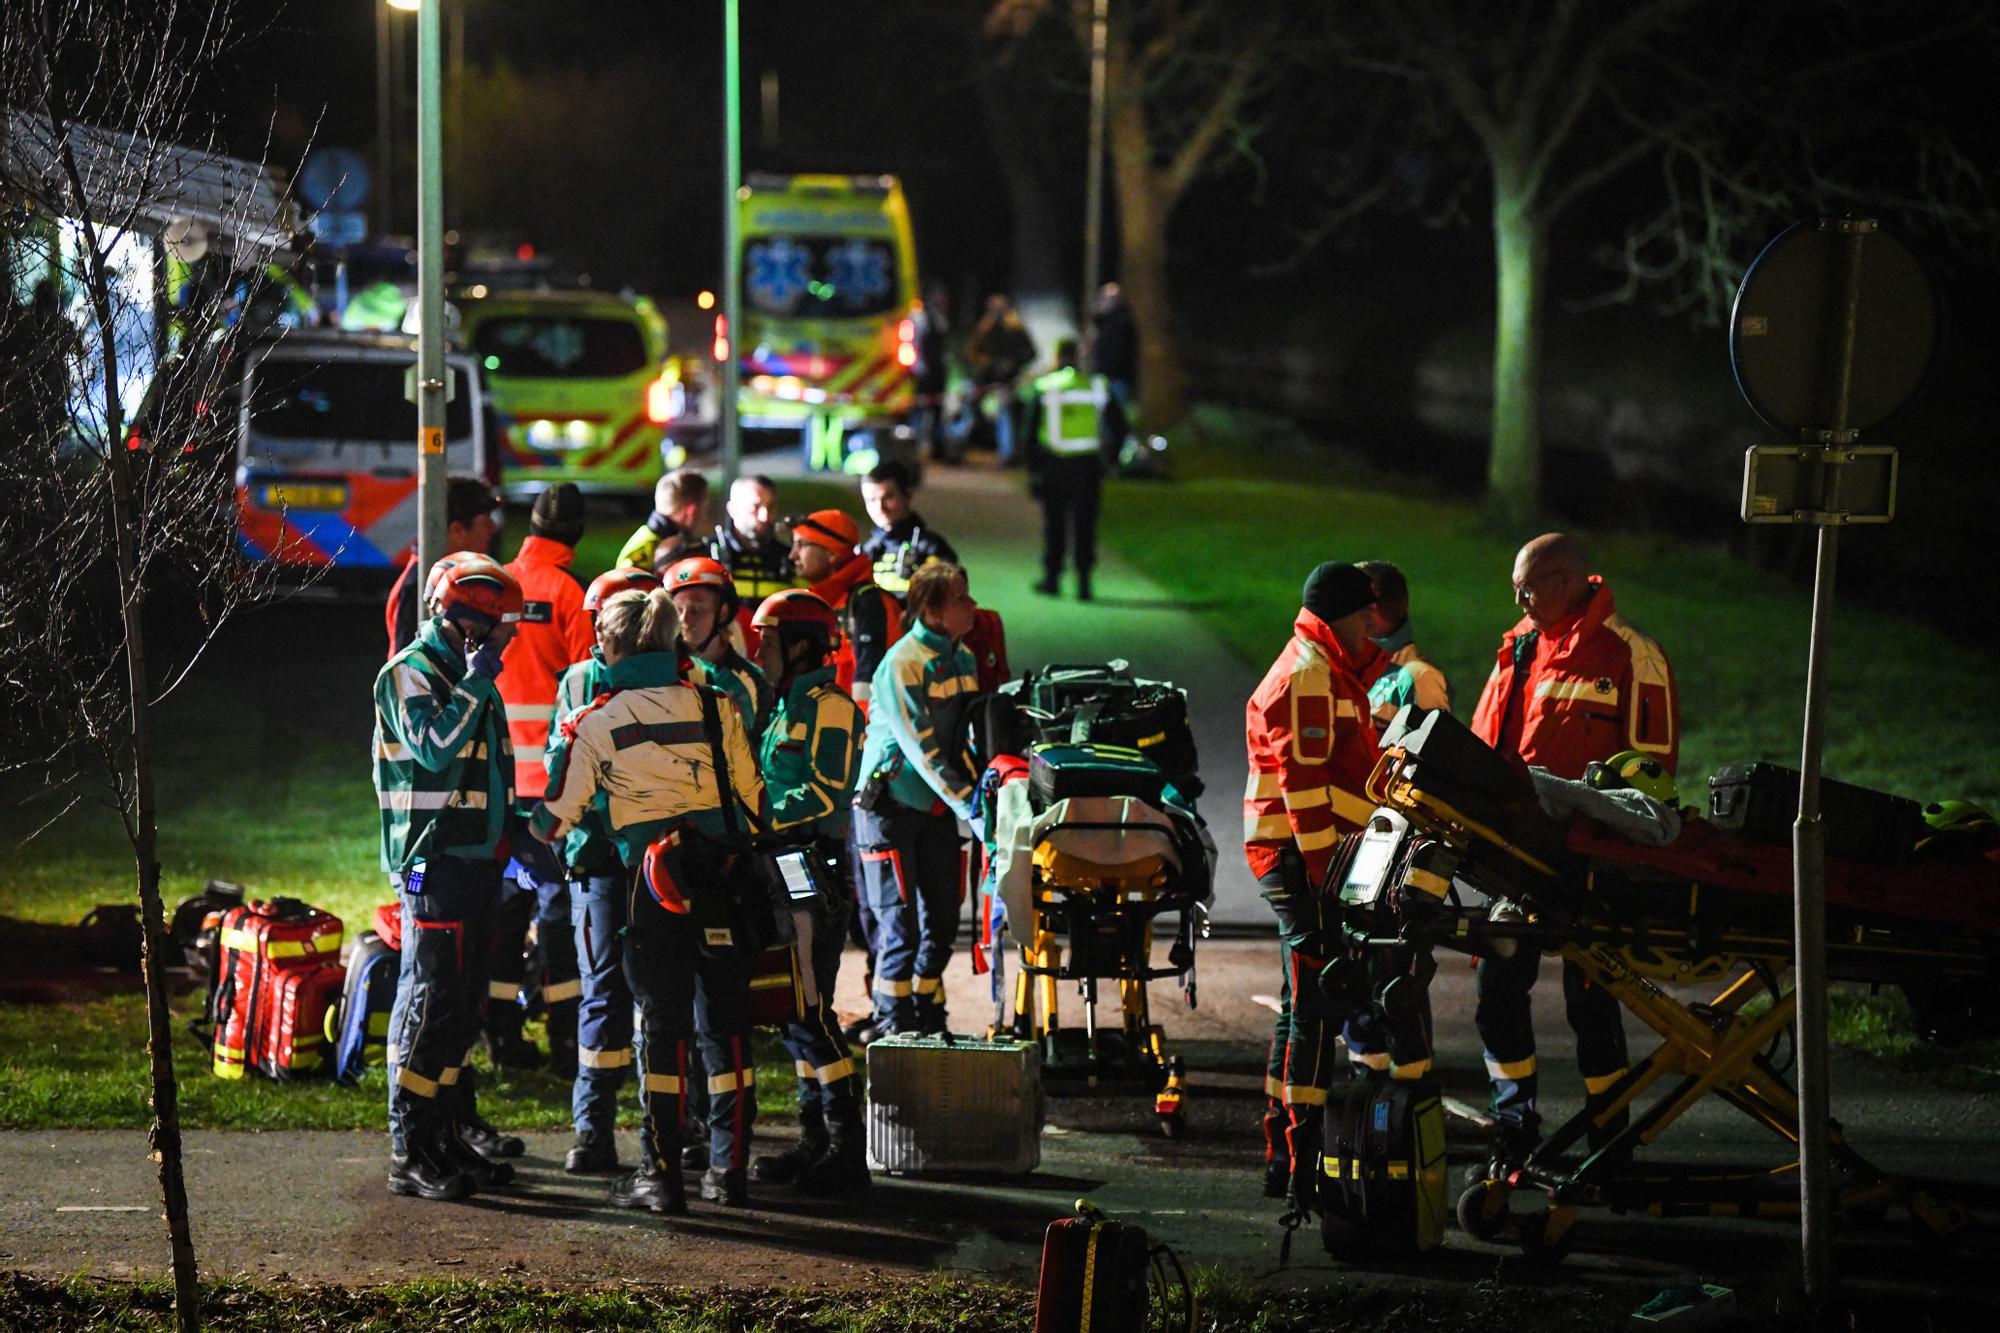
(1456,824)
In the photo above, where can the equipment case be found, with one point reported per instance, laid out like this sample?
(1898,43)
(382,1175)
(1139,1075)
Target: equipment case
(278,971)
(1060,772)
(365,1003)
(1761,801)
(1382,1183)
(954,1104)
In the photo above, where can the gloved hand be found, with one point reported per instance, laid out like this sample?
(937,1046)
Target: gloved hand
(485,662)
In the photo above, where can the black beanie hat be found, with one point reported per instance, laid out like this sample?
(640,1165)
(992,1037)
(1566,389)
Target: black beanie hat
(558,514)
(1335,589)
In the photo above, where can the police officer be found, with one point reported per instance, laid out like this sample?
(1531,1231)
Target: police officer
(673,529)
(1066,466)
(443,778)
(746,544)
(674,763)
(597,919)
(915,789)
(807,757)
(901,542)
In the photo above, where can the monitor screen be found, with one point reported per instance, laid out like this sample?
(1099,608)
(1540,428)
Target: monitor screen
(1370,867)
(798,875)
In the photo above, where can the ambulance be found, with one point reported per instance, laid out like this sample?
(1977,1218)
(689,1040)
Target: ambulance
(580,383)
(829,274)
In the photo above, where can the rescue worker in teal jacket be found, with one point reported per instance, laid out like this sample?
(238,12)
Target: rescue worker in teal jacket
(808,758)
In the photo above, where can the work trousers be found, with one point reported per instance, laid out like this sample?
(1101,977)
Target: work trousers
(1072,490)
(912,877)
(604,1048)
(1505,1020)
(506,960)
(819,1053)
(443,973)
(690,992)
(540,871)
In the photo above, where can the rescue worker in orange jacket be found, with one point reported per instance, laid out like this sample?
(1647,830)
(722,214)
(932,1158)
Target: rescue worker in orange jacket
(1311,745)
(826,553)
(1574,682)
(554,631)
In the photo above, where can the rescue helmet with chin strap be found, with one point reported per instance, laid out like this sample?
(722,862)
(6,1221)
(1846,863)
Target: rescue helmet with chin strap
(1630,768)
(796,614)
(473,588)
(626,578)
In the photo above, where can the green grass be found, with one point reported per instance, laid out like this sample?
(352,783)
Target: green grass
(1909,710)
(83,1066)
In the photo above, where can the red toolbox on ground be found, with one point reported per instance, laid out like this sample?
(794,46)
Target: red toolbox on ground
(278,973)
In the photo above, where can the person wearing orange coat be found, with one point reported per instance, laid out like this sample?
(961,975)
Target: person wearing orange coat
(1574,682)
(826,552)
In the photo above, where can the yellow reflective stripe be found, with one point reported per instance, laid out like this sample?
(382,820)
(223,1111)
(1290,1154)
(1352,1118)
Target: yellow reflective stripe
(835,1072)
(1399,1170)
(895,990)
(1308,799)
(1352,808)
(1273,1089)
(1312,842)
(1295,1095)
(449,1076)
(529,712)
(237,938)
(803,1068)
(590,1059)
(1418,1070)
(928,985)
(1510,1069)
(503,990)
(417,1083)
(1377,1060)
(1602,1083)
(1346,708)
(302,1039)
(562,990)
(403,801)
(1262,786)
(668,1083)
(1266,828)
(731,1082)
(1576,689)
(1437,886)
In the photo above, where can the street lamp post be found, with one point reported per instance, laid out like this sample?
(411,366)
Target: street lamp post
(430,377)
(1093,180)
(726,349)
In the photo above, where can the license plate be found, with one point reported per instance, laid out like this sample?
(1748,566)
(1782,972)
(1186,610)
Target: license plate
(304,495)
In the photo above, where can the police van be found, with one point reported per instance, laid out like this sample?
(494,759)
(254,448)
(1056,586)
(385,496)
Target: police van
(829,273)
(579,384)
(326,449)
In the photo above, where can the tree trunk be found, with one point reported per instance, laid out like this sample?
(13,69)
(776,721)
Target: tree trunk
(1144,205)
(1038,277)
(141,818)
(1520,263)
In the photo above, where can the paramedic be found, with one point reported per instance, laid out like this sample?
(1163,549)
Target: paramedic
(1311,747)
(671,531)
(1574,682)
(657,747)
(916,786)
(706,600)
(443,778)
(597,921)
(807,759)
(471,522)
(554,632)
(825,551)
(1066,466)
(1409,678)
(902,542)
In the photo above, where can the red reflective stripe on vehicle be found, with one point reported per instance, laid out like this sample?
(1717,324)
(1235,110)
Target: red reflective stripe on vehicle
(596,458)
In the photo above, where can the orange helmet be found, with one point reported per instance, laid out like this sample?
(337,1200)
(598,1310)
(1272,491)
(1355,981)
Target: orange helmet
(829,528)
(472,586)
(626,578)
(797,613)
(699,571)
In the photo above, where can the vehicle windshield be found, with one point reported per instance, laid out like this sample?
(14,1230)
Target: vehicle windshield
(345,414)
(820,277)
(560,347)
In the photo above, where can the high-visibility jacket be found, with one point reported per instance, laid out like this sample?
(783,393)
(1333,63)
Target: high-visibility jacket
(1311,743)
(901,550)
(1593,688)
(554,631)
(1071,407)
(645,745)
(443,770)
(758,567)
(1411,678)
(588,850)
(658,536)
(921,690)
(808,756)
(870,620)
(740,679)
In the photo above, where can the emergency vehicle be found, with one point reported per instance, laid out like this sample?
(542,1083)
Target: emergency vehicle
(326,448)
(579,384)
(829,273)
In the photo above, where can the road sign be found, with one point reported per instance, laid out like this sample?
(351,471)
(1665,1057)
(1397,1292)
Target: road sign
(340,226)
(1792,483)
(334,178)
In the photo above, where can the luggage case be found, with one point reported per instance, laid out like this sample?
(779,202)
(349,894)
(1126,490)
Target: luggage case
(1382,1170)
(1098,1276)
(1761,801)
(1059,772)
(365,1001)
(954,1104)
(255,943)
(302,1003)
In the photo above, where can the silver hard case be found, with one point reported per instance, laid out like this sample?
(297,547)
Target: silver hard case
(958,1104)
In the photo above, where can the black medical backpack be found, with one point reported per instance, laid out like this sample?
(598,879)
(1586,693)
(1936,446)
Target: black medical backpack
(1381,1190)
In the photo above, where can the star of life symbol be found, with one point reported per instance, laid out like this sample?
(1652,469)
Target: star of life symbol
(778,273)
(858,271)
(559,344)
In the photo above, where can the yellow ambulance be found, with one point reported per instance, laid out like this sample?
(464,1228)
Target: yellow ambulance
(578,380)
(829,273)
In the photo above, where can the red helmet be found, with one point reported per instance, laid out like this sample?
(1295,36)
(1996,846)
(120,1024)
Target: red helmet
(699,571)
(468,584)
(626,578)
(795,610)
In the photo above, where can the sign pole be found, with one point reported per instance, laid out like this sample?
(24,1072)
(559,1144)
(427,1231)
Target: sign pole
(1093,179)
(730,329)
(430,382)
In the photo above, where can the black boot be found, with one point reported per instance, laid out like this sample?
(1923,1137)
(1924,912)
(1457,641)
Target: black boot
(422,1170)
(562,1039)
(651,1188)
(1277,1176)
(730,1187)
(485,1173)
(842,1170)
(786,1167)
(594,1150)
(694,1157)
(1083,589)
